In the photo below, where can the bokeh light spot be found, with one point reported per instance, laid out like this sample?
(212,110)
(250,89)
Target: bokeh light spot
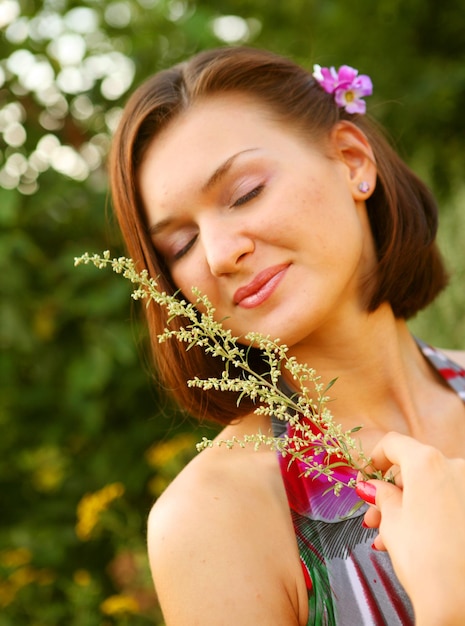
(9,11)
(230,28)
(68,49)
(118,14)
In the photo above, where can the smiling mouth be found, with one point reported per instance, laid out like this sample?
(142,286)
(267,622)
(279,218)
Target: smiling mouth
(260,288)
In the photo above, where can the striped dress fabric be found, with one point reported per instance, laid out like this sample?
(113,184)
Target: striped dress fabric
(348,583)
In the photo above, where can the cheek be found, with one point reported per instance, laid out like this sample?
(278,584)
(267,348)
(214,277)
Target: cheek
(189,274)
(184,283)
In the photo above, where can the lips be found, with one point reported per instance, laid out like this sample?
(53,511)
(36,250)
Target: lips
(261,287)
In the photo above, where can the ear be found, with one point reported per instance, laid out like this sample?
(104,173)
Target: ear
(351,146)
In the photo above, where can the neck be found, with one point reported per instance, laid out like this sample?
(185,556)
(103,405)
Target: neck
(379,369)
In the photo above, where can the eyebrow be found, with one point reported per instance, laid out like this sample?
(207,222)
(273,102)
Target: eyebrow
(159,226)
(214,179)
(223,169)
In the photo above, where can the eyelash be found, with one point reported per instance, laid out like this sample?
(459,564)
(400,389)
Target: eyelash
(239,202)
(249,196)
(178,255)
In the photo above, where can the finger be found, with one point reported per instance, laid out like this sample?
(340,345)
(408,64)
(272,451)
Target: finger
(378,544)
(385,496)
(372,517)
(394,476)
(395,449)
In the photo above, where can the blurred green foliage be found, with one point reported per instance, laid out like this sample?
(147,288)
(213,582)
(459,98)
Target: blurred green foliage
(79,412)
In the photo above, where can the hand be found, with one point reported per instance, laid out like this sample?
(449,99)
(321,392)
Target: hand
(421,522)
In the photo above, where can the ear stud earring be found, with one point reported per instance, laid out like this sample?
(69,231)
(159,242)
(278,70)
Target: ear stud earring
(364,187)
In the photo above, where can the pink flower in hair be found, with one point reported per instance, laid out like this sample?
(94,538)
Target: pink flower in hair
(347,86)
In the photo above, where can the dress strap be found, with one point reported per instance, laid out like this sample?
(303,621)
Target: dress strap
(451,372)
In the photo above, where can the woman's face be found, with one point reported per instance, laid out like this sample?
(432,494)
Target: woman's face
(265,223)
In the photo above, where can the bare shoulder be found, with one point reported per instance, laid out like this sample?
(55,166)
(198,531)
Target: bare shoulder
(221,546)
(456,355)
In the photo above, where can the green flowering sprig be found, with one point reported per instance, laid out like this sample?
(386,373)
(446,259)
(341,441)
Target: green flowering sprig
(314,430)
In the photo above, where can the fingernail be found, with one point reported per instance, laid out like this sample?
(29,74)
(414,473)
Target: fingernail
(366,491)
(373,547)
(364,524)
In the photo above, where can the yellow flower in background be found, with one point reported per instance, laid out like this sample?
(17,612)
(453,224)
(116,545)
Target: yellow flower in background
(161,454)
(92,505)
(7,593)
(47,466)
(82,577)
(15,557)
(168,458)
(121,603)
(158,484)
(23,576)
(19,573)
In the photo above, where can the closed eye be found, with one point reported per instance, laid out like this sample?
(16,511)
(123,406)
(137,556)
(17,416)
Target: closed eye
(249,196)
(185,249)
(256,191)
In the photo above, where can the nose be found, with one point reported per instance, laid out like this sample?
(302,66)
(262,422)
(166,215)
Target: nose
(225,246)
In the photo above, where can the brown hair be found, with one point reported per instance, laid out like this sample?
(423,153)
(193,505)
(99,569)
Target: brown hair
(402,211)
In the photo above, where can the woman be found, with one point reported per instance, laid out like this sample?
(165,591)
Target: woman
(242,174)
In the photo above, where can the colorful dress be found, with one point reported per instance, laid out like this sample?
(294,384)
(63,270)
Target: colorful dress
(349,583)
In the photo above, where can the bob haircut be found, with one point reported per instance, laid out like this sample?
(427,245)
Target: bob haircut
(401,210)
